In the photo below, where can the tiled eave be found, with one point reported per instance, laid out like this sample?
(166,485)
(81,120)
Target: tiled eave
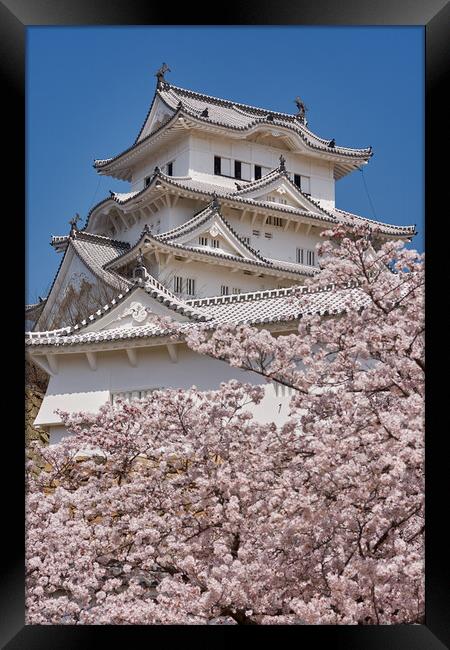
(149,242)
(324,301)
(202,218)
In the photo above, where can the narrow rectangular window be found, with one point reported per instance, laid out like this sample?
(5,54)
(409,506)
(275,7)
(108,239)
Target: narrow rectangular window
(245,171)
(190,286)
(224,290)
(225,167)
(215,243)
(256,233)
(203,241)
(258,172)
(170,169)
(268,235)
(310,258)
(178,284)
(237,169)
(299,255)
(269,221)
(297,180)
(277,221)
(235,290)
(147,181)
(306,184)
(217,166)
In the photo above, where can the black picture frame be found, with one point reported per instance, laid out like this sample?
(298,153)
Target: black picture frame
(434,16)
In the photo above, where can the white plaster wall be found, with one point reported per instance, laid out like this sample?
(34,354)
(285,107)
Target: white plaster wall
(204,148)
(177,151)
(284,243)
(77,388)
(209,278)
(165,219)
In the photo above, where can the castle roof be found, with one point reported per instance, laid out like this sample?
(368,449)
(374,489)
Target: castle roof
(252,259)
(280,306)
(240,199)
(189,109)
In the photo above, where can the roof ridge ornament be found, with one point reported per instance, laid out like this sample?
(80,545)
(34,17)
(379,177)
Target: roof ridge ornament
(160,75)
(73,222)
(139,271)
(215,201)
(301,115)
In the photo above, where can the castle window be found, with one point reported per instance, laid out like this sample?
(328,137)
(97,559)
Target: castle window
(256,233)
(237,169)
(178,284)
(222,166)
(190,286)
(303,182)
(235,290)
(258,172)
(203,241)
(215,243)
(169,168)
(246,171)
(306,256)
(147,181)
(268,235)
(224,290)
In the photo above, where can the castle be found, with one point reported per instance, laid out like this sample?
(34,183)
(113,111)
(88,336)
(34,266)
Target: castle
(226,206)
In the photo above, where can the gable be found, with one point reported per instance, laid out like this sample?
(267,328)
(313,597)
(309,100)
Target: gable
(138,308)
(282,193)
(159,114)
(73,281)
(214,235)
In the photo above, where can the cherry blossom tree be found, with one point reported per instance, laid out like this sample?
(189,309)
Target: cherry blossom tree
(183,508)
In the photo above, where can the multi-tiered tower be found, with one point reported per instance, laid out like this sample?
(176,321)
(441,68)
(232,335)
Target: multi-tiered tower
(226,207)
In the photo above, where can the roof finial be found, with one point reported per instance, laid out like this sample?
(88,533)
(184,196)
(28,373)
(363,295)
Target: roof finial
(139,271)
(301,109)
(160,74)
(332,143)
(73,222)
(215,201)
(282,163)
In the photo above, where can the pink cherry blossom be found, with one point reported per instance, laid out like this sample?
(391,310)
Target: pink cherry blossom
(183,509)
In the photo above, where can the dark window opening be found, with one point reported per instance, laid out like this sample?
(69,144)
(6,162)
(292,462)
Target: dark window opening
(147,181)
(217,165)
(297,180)
(258,172)
(170,169)
(237,169)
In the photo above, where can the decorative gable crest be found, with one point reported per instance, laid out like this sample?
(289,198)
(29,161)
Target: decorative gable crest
(137,311)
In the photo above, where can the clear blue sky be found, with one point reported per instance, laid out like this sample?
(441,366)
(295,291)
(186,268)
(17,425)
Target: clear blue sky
(89,89)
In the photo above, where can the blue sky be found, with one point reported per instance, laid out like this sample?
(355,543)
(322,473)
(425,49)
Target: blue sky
(89,89)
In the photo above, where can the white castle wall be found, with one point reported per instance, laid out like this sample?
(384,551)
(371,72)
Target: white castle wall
(165,219)
(204,148)
(209,279)
(283,244)
(77,388)
(193,155)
